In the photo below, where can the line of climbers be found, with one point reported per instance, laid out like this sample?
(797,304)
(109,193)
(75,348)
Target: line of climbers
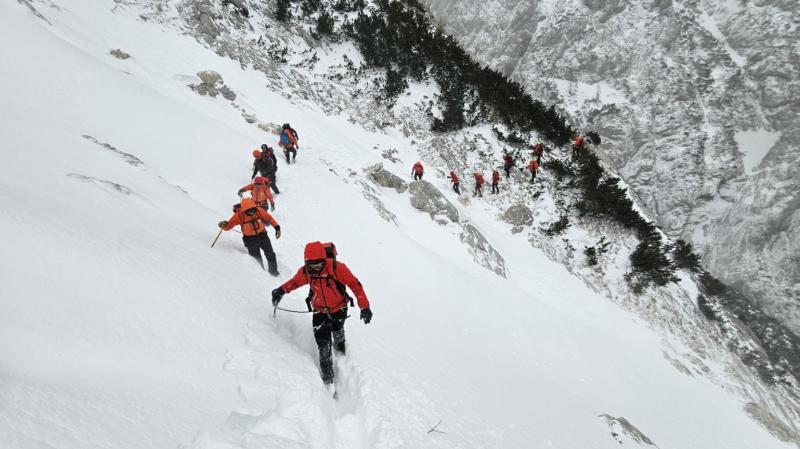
(537,151)
(327,278)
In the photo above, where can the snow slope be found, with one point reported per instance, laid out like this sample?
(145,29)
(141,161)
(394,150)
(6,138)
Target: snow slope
(120,327)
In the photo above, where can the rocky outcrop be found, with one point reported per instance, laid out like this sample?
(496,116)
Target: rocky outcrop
(212,85)
(482,252)
(518,215)
(385,178)
(119,54)
(427,198)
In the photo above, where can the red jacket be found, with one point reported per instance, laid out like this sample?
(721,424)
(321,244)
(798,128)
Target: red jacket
(453,177)
(538,149)
(533,166)
(495,177)
(578,142)
(478,178)
(508,161)
(417,168)
(327,295)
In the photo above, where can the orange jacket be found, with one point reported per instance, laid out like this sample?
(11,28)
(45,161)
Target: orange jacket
(533,165)
(495,177)
(578,142)
(251,225)
(259,192)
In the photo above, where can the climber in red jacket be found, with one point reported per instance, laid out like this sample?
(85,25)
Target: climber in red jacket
(250,217)
(417,170)
(533,166)
(329,280)
(495,181)
(453,177)
(508,162)
(577,145)
(478,184)
(259,192)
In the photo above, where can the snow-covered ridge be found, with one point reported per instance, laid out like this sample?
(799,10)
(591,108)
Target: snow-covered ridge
(121,328)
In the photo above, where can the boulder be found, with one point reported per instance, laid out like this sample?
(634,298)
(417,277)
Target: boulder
(518,215)
(385,178)
(119,54)
(427,198)
(209,77)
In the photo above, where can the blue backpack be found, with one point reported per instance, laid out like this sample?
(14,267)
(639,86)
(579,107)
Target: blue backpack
(285,140)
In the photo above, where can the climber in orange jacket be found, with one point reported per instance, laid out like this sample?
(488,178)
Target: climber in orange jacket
(533,166)
(453,177)
(329,280)
(417,170)
(260,192)
(478,184)
(577,145)
(251,219)
(495,181)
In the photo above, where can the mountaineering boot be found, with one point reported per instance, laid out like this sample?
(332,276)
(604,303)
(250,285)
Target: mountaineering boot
(338,341)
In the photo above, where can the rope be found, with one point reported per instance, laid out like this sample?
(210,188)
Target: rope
(294,311)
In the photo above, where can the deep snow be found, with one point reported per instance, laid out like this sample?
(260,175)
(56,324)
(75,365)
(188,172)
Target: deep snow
(121,328)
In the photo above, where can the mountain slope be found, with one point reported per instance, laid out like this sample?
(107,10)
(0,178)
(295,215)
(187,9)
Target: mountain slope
(122,328)
(695,102)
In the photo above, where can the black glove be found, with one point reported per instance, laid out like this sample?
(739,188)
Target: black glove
(277,294)
(366,315)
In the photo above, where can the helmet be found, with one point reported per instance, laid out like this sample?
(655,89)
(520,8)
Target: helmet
(285,126)
(260,180)
(256,154)
(264,146)
(236,207)
(314,251)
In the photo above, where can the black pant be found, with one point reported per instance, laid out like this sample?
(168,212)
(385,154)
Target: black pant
(273,178)
(329,333)
(495,189)
(533,176)
(417,176)
(456,189)
(507,168)
(286,152)
(575,151)
(478,190)
(258,242)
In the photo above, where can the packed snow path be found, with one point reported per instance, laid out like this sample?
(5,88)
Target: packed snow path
(120,327)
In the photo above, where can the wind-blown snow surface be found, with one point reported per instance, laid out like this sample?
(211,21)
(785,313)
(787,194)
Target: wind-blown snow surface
(120,327)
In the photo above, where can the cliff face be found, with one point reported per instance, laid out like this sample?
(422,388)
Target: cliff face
(697,104)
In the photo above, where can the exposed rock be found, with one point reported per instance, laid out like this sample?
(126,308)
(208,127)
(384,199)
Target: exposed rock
(427,198)
(119,54)
(209,77)
(385,178)
(228,94)
(248,117)
(108,185)
(129,158)
(518,215)
(622,430)
(770,422)
(482,252)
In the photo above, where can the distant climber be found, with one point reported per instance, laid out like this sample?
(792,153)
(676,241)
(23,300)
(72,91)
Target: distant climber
(251,219)
(417,170)
(495,181)
(328,279)
(478,184)
(288,141)
(538,150)
(577,146)
(533,166)
(508,162)
(453,177)
(260,193)
(266,163)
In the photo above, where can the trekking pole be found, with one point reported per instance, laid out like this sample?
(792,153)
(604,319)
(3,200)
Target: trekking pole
(217,237)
